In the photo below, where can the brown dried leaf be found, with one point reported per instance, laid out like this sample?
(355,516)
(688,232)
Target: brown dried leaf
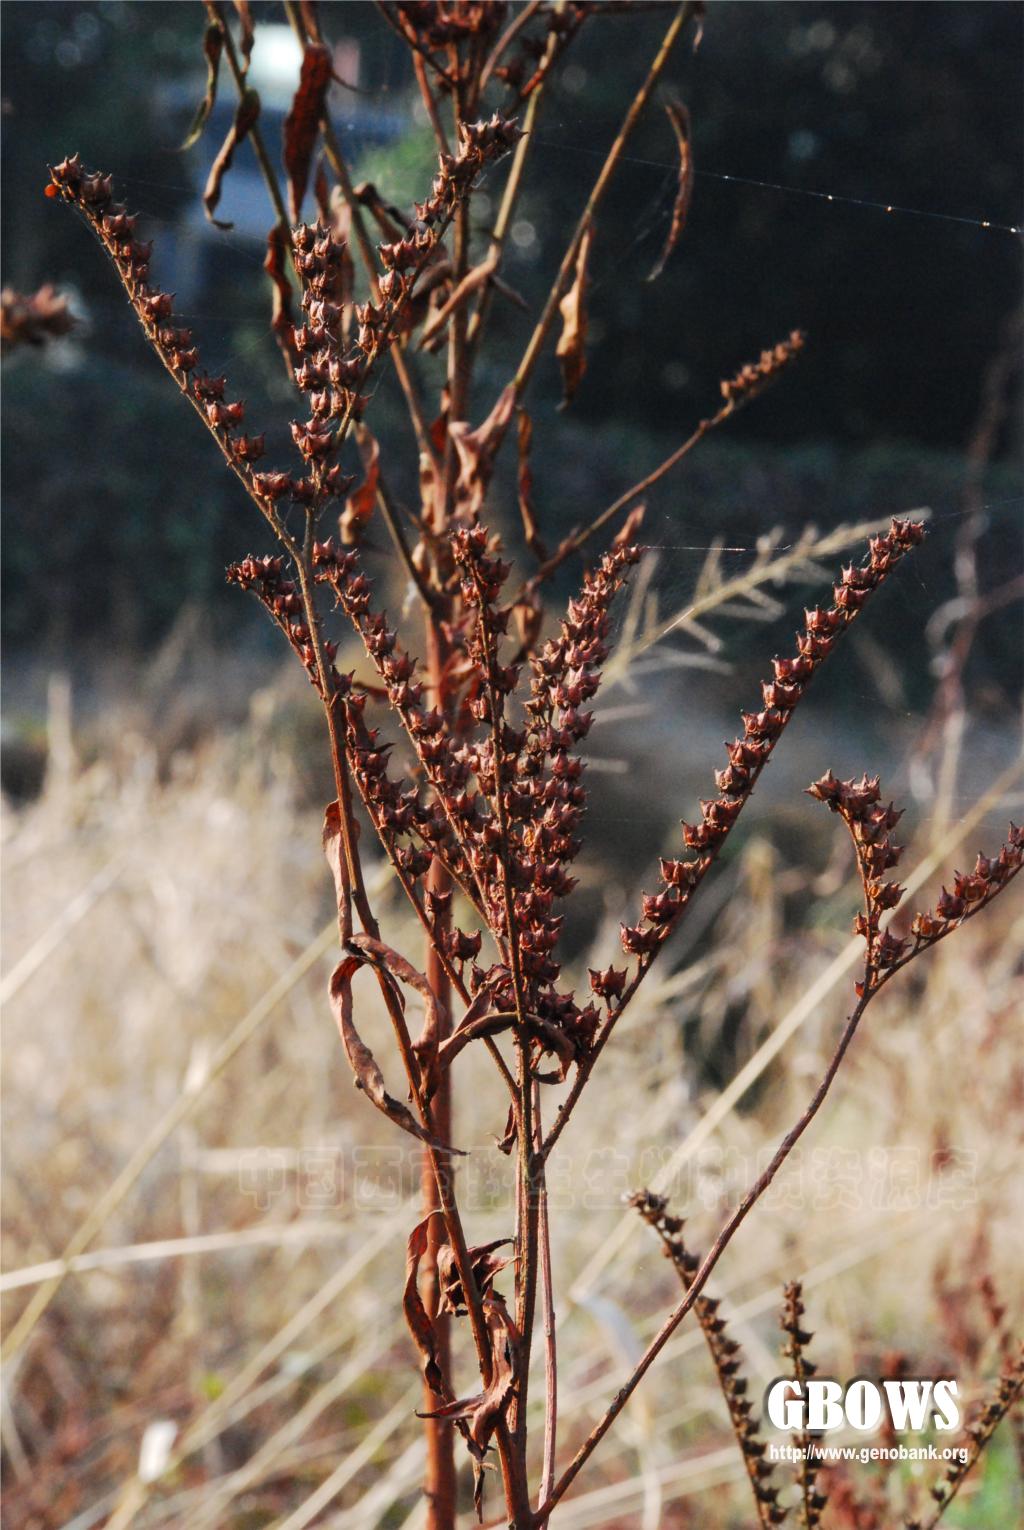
(246,114)
(368,1076)
(435,1015)
(213,43)
(476,452)
(679,117)
(360,503)
(303,121)
(486,1265)
(416,1316)
(571,347)
(281,316)
(248,31)
(533,540)
(476,1024)
(334,850)
(484,1410)
(389,219)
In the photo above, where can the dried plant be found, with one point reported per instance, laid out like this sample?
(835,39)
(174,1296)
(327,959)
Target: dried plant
(726,1357)
(467,762)
(33,319)
(1006,1397)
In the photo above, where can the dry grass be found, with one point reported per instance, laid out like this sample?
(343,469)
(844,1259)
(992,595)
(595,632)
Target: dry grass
(258,1330)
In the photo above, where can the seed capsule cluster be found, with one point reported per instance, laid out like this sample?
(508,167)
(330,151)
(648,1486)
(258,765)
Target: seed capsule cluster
(859,805)
(92,194)
(541,777)
(751,378)
(726,1356)
(813,1499)
(749,753)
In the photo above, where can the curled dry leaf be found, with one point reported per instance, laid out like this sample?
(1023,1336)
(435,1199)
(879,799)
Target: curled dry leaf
(476,452)
(435,1015)
(474,1026)
(334,850)
(246,114)
(525,482)
(486,1264)
(303,121)
(282,318)
(485,1409)
(416,1316)
(392,968)
(359,504)
(213,45)
(679,117)
(368,1076)
(571,347)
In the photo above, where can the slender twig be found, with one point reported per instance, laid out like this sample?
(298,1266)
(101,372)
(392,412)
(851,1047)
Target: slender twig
(526,1264)
(413,42)
(428,596)
(636,108)
(521,19)
(547,1480)
(429,102)
(711,1258)
(215,11)
(577,539)
(874,982)
(509,198)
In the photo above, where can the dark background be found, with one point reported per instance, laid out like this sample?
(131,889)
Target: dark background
(118,510)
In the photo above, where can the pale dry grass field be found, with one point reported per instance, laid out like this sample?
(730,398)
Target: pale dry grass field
(235,1315)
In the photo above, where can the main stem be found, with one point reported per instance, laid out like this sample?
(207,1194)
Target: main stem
(439,1482)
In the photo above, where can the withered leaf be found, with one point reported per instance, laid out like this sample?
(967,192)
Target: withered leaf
(571,347)
(679,117)
(360,503)
(416,1316)
(213,44)
(248,32)
(368,1076)
(476,451)
(435,1015)
(334,850)
(364,950)
(525,481)
(484,1410)
(303,121)
(246,114)
(474,1025)
(486,1264)
(281,315)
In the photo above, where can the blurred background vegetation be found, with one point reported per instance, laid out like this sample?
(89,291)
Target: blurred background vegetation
(164,776)
(916,105)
